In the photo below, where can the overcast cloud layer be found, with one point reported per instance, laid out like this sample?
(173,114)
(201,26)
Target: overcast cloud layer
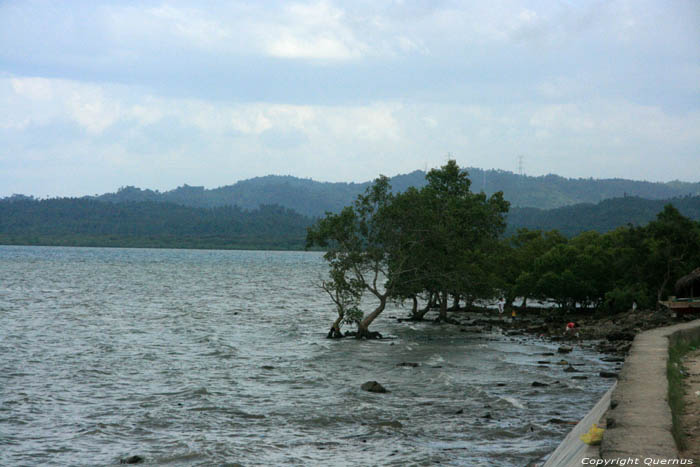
(96,95)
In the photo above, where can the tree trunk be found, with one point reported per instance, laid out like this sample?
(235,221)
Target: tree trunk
(431,301)
(523,306)
(334,332)
(363,326)
(443,307)
(416,314)
(667,277)
(455,303)
(509,301)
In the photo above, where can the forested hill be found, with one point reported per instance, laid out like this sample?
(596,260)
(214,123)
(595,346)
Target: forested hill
(313,198)
(88,222)
(305,196)
(602,217)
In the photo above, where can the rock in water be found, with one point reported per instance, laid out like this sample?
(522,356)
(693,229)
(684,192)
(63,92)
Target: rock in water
(559,421)
(132,460)
(389,424)
(608,374)
(373,386)
(407,364)
(613,359)
(537,384)
(565,349)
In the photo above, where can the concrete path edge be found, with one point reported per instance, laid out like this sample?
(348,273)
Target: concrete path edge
(639,418)
(635,411)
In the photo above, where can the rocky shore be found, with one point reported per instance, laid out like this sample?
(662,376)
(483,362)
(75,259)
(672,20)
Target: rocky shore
(611,334)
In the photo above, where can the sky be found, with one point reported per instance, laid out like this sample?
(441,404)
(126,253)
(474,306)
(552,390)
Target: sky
(96,95)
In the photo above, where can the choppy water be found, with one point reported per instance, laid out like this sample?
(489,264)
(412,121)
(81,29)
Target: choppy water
(212,357)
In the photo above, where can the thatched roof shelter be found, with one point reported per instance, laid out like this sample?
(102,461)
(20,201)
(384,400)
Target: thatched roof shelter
(689,286)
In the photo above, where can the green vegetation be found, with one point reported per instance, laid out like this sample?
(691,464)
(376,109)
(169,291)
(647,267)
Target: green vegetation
(602,271)
(87,222)
(314,199)
(602,217)
(443,242)
(396,246)
(674,370)
(145,218)
(273,212)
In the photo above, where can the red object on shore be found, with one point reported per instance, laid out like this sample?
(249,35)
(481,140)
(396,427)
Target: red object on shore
(570,325)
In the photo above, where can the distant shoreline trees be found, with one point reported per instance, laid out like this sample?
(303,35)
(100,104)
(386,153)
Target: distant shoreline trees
(88,222)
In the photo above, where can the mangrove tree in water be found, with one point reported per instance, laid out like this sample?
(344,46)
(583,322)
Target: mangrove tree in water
(434,241)
(360,241)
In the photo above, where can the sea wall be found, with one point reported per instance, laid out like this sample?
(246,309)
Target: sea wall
(639,419)
(572,450)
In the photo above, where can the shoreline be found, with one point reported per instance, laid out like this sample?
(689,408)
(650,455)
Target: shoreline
(611,333)
(637,416)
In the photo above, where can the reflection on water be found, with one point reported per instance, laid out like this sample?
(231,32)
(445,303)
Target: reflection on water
(198,357)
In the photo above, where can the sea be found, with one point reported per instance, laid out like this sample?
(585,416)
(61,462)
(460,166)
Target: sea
(205,357)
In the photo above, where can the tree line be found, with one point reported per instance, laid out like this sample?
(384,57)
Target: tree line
(602,217)
(147,223)
(441,246)
(88,222)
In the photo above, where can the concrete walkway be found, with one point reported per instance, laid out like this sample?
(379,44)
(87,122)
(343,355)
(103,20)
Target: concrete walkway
(636,409)
(642,416)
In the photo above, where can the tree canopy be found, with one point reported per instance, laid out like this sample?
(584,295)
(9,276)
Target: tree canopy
(443,242)
(395,246)
(87,222)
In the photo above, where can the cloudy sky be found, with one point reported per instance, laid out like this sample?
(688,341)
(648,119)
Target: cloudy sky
(95,95)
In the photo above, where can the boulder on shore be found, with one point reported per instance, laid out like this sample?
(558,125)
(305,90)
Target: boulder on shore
(627,335)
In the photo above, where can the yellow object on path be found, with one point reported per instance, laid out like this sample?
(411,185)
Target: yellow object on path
(594,435)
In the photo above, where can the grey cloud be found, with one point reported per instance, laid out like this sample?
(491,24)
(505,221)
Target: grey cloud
(158,91)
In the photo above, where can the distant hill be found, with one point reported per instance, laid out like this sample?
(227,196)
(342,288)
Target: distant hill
(602,217)
(88,222)
(312,198)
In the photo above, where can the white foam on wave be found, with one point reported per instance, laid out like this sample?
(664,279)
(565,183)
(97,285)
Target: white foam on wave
(514,402)
(435,359)
(444,378)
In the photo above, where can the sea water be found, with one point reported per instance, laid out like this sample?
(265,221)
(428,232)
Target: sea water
(189,357)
